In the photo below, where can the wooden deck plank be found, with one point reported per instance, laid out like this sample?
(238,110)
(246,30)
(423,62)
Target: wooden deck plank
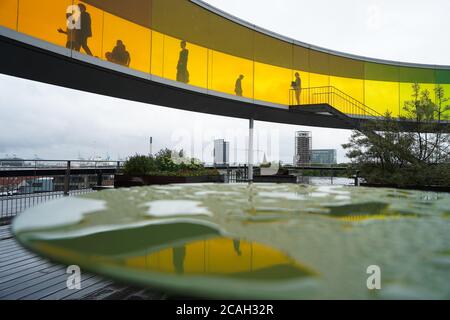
(24,275)
(37,264)
(81,294)
(88,286)
(54,287)
(21,273)
(14,264)
(41,284)
(13,255)
(33,282)
(12,249)
(16,261)
(6,243)
(28,277)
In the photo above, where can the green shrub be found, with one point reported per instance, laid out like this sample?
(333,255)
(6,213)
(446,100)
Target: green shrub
(163,164)
(139,165)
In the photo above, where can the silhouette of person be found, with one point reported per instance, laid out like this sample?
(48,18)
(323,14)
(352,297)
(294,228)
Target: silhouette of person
(72,41)
(178,255)
(86,29)
(119,54)
(238,86)
(297,87)
(182,72)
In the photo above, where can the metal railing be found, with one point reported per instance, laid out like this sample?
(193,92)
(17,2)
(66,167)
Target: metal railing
(333,97)
(25,183)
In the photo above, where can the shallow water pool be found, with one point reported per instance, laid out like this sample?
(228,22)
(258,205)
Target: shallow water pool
(253,241)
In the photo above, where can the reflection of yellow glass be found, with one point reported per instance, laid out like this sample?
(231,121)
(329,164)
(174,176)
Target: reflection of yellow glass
(272,83)
(8,13)
(219,256)
(41,19)
(382,96)
(194,68)
(224,71)
(135,38)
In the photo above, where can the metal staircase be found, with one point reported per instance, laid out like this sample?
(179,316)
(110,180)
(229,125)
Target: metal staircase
(330,101)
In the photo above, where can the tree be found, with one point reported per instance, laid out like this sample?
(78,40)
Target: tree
(385,152)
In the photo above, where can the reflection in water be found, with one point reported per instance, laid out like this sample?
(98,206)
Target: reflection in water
(237,247)
(182,71)
(179,249)
(221,256)
(179,253)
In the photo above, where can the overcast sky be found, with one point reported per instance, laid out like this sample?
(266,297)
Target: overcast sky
(58,123)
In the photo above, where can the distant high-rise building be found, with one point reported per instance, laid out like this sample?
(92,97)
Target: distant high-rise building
(303,145)
(221,152)
(324,156)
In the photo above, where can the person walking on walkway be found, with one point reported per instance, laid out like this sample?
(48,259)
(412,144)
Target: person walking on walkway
(297,87)
(238,86)
(182,71)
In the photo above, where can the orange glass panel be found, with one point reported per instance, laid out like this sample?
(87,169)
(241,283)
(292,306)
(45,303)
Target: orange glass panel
(8,13)
(42,19)
(187,65)
(225,70)
(126,43)
(272,83)
(157,49)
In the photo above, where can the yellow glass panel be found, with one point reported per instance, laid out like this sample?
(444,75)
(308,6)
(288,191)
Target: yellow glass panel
(225,70)
(135,11)
(346,68)
(186,65)
(121,36)
(406,91)
(319,63)
(219,38)
(8,13)
(272,83)
(41,19)
(273,51)
(382,87)
(301,58)
(352,87)
(157,58)
(318,80)
(92,45)
(382,96)
(181,19)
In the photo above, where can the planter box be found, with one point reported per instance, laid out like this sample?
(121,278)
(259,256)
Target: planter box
(126,181)
(275,179)
(419,188)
